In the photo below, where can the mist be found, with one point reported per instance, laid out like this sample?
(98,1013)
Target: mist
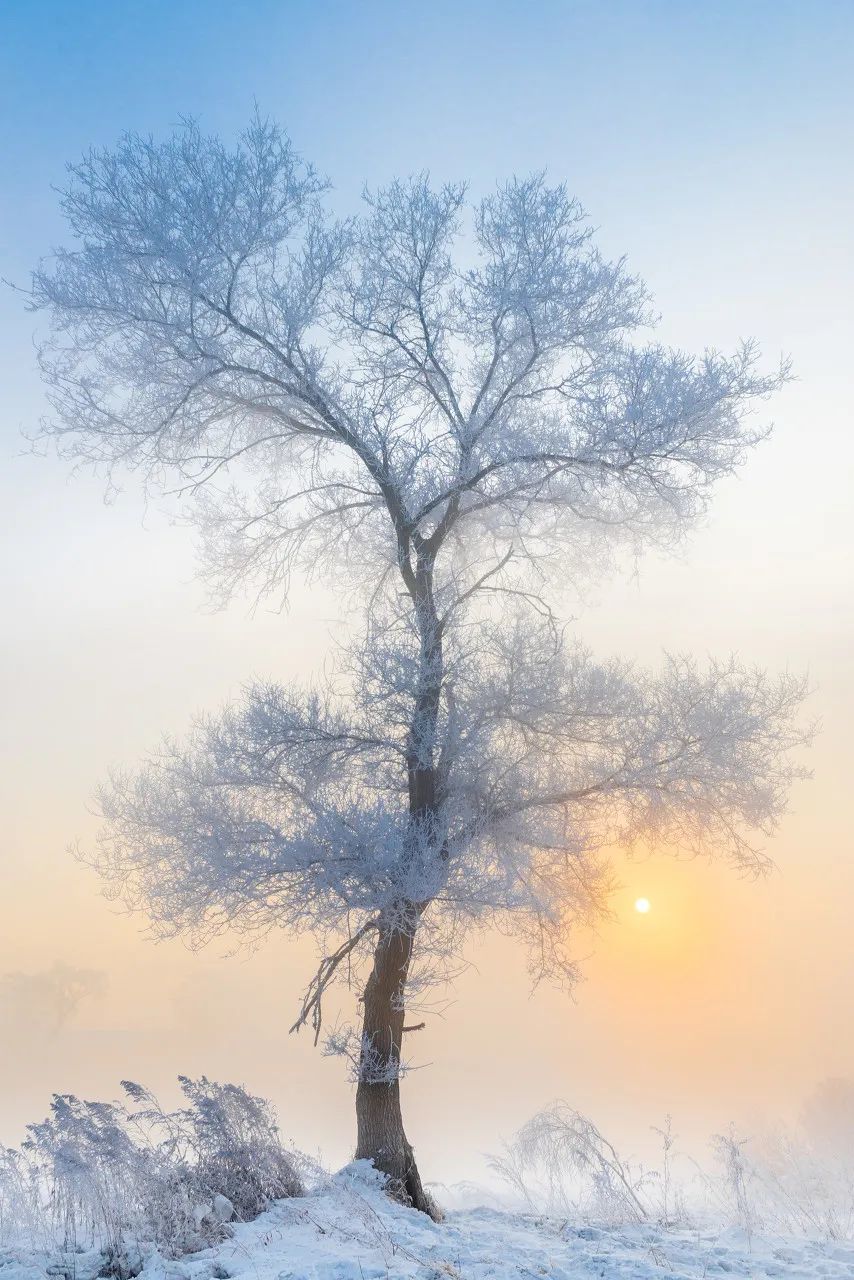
(730,1000)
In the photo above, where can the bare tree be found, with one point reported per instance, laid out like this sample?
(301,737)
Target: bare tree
(440,403)
(47,998)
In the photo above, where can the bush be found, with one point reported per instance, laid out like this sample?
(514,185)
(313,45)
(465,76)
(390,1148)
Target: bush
(782,1182)
(108,1174)
(561,1163)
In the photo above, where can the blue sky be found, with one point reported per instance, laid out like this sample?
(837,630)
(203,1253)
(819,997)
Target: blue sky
(631,92)
(672,121)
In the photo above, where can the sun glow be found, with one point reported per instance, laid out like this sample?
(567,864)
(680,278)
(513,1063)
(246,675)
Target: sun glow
(642,905)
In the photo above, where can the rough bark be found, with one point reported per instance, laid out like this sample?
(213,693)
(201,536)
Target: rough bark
(381,1135)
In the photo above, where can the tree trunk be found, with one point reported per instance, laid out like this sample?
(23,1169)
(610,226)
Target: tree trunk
(381,1136)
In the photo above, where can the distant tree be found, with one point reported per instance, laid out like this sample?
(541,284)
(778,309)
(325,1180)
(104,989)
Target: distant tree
(438,406)
(46,999)
(828,1116)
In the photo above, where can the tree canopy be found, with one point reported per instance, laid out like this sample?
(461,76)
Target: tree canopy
(456,408)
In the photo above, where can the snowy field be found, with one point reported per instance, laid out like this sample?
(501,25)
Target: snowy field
(112,1191)
(349,1230)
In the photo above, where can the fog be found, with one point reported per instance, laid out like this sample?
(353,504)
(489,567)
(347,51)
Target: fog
(731,998)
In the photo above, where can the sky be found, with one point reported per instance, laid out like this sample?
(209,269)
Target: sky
(709,142)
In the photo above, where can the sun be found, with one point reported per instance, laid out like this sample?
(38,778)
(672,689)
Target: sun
(642,905)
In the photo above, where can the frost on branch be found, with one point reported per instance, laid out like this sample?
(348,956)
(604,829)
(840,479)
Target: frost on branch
(367,1063)
(455,408)
(559,1160)
(285,810)
(131,1177)
(428,373)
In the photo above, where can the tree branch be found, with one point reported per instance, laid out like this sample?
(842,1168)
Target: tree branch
(312,1001)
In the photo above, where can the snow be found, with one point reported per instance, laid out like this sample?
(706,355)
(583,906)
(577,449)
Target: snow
(348,1230)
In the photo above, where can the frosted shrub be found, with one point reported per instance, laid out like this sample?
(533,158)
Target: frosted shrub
(123,1177)
(93,1179)
(739,1176)
(19,1218)
(784,1183)
(559,1161)
(237,1149)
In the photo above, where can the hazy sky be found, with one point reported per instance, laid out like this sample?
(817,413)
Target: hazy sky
(711,142)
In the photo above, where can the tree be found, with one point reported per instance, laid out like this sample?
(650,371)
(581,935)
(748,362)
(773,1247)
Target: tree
(828,1115)
(442,405)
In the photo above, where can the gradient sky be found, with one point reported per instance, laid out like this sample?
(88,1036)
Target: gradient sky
(711,142)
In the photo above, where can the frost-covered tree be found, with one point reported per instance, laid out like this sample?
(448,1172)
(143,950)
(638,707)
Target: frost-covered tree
(440,403)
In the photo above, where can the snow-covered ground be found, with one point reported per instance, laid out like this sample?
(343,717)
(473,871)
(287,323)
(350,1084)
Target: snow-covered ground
(349,1230)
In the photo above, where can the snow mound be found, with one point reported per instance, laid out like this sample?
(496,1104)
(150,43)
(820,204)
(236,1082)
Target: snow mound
(349,1230)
